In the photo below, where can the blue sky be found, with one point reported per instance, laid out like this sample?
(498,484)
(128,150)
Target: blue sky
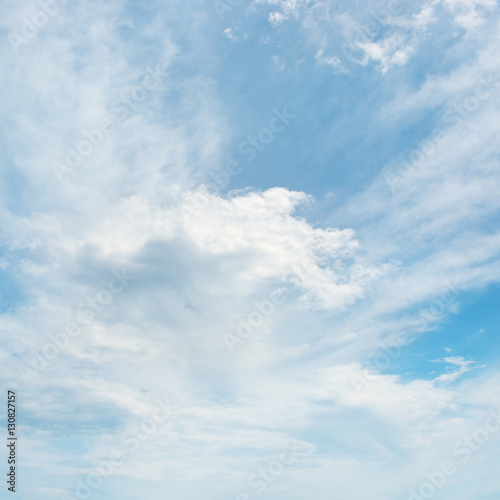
(255,254)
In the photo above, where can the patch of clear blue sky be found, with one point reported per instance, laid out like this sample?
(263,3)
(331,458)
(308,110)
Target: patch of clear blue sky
(338,140)
(471,333)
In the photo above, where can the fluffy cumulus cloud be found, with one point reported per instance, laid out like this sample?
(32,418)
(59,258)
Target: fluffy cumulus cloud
(301,325)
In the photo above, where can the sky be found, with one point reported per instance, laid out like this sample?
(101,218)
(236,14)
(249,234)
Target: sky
(249,248)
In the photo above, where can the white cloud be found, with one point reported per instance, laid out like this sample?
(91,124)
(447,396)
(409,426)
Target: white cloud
(470,13)
(334,62)
(463,366)
(385,34)
(391,52)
